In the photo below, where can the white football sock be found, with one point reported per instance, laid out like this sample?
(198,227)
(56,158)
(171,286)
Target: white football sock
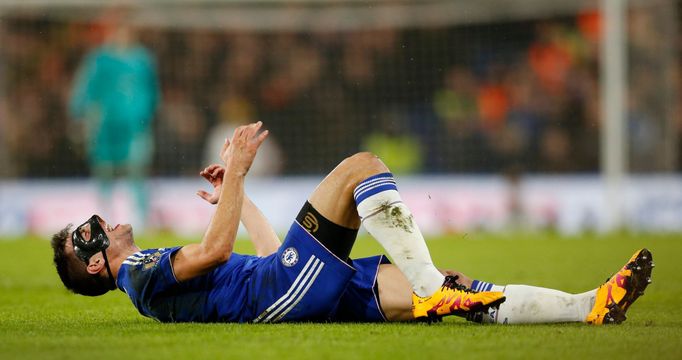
(531,304)
(391,223)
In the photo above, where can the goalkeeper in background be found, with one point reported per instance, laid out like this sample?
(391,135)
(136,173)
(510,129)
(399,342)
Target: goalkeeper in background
(115,96)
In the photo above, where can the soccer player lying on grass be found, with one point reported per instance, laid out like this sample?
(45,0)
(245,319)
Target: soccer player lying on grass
(311,277)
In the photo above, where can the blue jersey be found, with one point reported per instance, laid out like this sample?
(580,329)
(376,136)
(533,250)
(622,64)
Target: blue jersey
(147,278)
(302,281)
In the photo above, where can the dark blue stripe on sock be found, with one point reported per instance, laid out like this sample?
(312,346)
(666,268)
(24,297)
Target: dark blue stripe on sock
(374,185)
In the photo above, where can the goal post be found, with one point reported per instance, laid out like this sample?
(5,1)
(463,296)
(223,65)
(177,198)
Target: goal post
(613,92)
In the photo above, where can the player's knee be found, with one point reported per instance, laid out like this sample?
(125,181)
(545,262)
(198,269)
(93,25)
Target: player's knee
(356,168)
(363,165)
(364,159)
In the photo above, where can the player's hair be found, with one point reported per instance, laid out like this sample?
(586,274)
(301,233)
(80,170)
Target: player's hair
(73,271)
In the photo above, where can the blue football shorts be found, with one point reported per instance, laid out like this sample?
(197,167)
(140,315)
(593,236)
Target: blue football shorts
(303,281)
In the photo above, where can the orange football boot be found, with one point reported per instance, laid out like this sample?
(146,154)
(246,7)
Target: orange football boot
(616,295)
(453,299)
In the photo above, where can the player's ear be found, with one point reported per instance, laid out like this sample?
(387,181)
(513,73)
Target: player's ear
(96,264)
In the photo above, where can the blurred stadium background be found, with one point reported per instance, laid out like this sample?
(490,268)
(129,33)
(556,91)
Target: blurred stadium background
(494,114)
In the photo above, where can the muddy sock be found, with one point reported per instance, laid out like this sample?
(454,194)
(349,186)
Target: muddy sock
(391,223)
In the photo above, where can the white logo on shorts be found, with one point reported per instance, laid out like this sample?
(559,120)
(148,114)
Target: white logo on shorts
(289,257)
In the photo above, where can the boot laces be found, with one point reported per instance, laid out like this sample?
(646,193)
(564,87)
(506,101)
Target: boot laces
(451,283)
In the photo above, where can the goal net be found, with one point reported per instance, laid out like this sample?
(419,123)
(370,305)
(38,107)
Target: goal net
(438,86)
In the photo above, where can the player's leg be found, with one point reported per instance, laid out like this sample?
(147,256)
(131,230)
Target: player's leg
(524,304)
(361,189)
(606,304)
(395,294)
(533,304)
(383,213)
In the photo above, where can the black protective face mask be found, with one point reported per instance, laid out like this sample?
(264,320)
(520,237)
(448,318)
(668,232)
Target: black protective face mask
(89,239)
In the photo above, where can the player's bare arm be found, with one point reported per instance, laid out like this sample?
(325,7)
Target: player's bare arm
(218,241)
(261,233)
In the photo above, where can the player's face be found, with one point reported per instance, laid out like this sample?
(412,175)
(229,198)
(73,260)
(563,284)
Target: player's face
(119,234)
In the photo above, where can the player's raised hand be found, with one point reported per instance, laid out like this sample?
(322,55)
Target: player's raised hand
(214,175)
(238,153)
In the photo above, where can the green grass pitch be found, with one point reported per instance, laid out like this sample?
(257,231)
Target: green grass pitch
(41,320)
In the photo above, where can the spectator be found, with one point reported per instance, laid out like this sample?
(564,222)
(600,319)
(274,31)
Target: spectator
(397,148)
(182,128)
(234,111)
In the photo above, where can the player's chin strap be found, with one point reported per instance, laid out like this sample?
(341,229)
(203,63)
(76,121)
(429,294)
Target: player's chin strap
(112,282)
(97,242)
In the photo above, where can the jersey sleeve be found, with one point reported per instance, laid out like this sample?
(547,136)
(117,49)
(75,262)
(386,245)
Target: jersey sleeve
(147,277)
(165,267)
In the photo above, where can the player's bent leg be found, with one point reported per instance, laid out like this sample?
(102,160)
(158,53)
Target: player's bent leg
(389,220)
(616,295)
(333,197)
(330,214)
(361,187)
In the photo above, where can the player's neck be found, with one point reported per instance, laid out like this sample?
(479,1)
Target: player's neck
(117,259)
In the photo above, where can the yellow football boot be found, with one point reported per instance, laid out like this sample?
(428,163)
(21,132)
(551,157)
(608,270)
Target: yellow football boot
(616,295)
(453,299)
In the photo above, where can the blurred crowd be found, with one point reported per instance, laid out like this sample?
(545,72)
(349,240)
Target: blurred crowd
(510,96)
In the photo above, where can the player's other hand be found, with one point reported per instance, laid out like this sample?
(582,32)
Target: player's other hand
(461,278)
(238,153)
(214,175)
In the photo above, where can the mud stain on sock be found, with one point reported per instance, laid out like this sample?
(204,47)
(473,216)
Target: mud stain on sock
(396,218)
